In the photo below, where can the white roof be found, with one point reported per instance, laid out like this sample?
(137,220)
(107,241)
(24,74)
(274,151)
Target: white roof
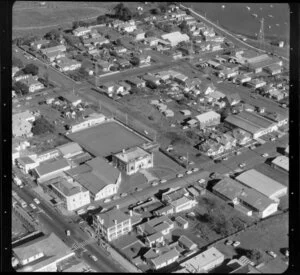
(282,162)
(175,37)
(208,115)
(202,260)
(261,183)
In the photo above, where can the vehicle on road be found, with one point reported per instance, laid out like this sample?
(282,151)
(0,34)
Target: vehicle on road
(107,200)
(32,206)
(179,175)
(163,181)
(94,258)
(189,172)
(272,254)
(36,201)
(265,155)
(145,132)
(236,244)
(68,232)
(154,183)
(242,165)
(123,195)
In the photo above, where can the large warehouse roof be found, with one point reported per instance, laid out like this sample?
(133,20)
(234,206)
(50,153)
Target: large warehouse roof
(262,183)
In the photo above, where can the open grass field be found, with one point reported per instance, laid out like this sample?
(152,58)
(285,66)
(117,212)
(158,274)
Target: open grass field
(106,139)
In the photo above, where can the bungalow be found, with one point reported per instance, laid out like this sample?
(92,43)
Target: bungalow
(138,34)
(119,49)
(136,82)
(186,243)
(104,65)
(181,222)
(242,78)
(152,41)
(180,78)
(127,27)
(108,87)
(81,31)
(144,59)
(51,56)
(256,83)
(33,84)
(126,88)
(233,98)
(65,64)
(165,259)
(227,73)
(61,48)
(39,43)
(71,99)
(123,63)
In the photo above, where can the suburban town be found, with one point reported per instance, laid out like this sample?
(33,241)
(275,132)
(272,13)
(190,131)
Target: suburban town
(147,138)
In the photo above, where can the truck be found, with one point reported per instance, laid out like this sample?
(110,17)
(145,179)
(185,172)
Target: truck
(68,232)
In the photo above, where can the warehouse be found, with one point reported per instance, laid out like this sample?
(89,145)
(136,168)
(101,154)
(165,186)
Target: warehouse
(281,163)
(263,184)
(252,123)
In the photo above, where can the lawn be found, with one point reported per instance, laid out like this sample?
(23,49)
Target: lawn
(106,139)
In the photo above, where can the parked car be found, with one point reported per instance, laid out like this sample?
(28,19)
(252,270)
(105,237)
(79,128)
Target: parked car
(154,183)
(229,242)
(32,206)
(225,158)
(265,155)
(179,175)
(272,139)
(236,243)
(191,162)
(163,181)
(107,200)
(201,181)
(195,169)
(272,254)
(238,153)
(94,258)
(242,165)
(123,195)
(189,172)
(36,201)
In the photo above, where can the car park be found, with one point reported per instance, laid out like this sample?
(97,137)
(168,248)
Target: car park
(36,201)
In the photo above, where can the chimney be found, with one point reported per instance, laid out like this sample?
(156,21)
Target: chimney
(130,213)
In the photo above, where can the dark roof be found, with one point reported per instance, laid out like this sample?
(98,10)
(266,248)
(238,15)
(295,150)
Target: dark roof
(48,167)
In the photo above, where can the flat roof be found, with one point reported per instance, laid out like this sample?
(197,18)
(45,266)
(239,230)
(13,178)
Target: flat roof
(110,216)
(48,167)
(282,162)
(26,160)
(186,241)
(132,154)
(180,201)
(261,183)
(69,148)
(208,115)
(68,188)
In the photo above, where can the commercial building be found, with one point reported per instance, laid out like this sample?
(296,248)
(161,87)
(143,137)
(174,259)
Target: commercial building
(204,261)
(48,170)
(72,194)
(132,160)
(26,163)
(97,176)
(263,184)
(175,38)
(112,224)
(209,118)
(252,123)
(70,149)
(47,155)
(240,195)
(91,120)
(42,254)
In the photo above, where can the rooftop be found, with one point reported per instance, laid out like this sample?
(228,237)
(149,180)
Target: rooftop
(207,116)
(68,188)
(164,258)
(132,154)
(111,216)
(49,167)
(69,148)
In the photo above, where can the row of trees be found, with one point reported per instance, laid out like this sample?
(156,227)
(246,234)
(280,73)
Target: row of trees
(42,126)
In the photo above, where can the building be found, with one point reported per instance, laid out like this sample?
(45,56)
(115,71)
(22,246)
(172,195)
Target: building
(42,254)
(71,98)
(65,64)
(39,43)
(70,149)
(132,160)
(263,184)
(99,177)
(138,34)
(26,163)
(112,224)
(72,194)
(55,55)
(186,243)
(242,78)
(164,259)
(207,119)
(21,124)
(91,120)
(256,83)
(47,155)
(136,82)
(252,123)
(59,48)
(81,31)
(48,170)
(150,79)
(175,38)
(32,83)
(287,151)
(181,222)
(104,65)
(182,204)
(232,191)
(203,262)
(273,69)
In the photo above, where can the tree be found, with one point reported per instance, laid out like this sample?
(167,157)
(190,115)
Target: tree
(53,34)
(42,126)
(31,69)
(155,11)
(118,42)
(102,19)
(253,254)
(150,33)
(20,88)
(163,7)
(75,25)
(118,9)
(184,27)
(135,61)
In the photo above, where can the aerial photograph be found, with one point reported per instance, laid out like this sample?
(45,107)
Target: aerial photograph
(150,137)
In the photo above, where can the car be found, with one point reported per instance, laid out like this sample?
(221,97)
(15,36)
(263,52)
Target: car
(196,169)
(145,132)
(163,181)
(179,175)
(252,147)
(242,165)
(36,201)
(272,139)
(272,254)
(238,153)
(94,258)
(225,158)
(189,172)
(154,183)
(32,206)
(191,163)
(115,197)
(236,243)
(265,155)
(201,181)
(123,195)
(229,242)
(107,200)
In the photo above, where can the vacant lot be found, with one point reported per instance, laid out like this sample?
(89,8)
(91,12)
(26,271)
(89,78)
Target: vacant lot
(17,226)
(106,139)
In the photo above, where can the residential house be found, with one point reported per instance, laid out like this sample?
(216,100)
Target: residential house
(126,88)
(182,204)
(152,80)
(33,84)
(151,41)
(144,59)
(136,82)
(180,78)
(64,64)
(55,55)
(211,148)
(216,46)
(108,88)
(71,98)
(132,160)
(181,222)
(209,118)
(233,98)
(104,65)
(61,48)
(175,38)
(47,155)
(39,43)
(164,259)
(14,70)
(112,224)
(123,63)
(127,27)
(256,83)
(241,136)
(242,78)
(138,34)
(119,50)
(81,31)
(186,243)
(42,254)
(273,69)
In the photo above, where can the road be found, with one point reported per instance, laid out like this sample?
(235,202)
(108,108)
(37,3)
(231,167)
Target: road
(225,33)
(52,221)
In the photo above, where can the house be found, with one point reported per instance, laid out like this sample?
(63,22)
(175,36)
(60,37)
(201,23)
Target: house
(42,254)
(273,69)
(151,41)
(91,120)
(168,113)
(181,222)
(203,262)
(136,82)
(14,70)
(175,38)
(39,43)
(182,204)
(242,137)
(112,224)
(242,78)
(26,164)
(186,243)
(108,87)
(59,48)
(138,34)
(132,160)
(226,140)
(176,54)
(151,79)
(126,88)
(100,178)
(81,31)
(127,27)
(215,46)
(207,119)
(33,84)
(119,50)
(281,163)
(256,83)
(180,78)
(263,184)
(50,169)
(233,98)
(71,98)
(144,59)
(104,65)
(164,259)
(65,64)
(211,148)
(185,112)
(72,195)
(238,194)
(70,150)
(215,96)
(163,211)
(227,73)
(21,124)
(52,56)
(123,63)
